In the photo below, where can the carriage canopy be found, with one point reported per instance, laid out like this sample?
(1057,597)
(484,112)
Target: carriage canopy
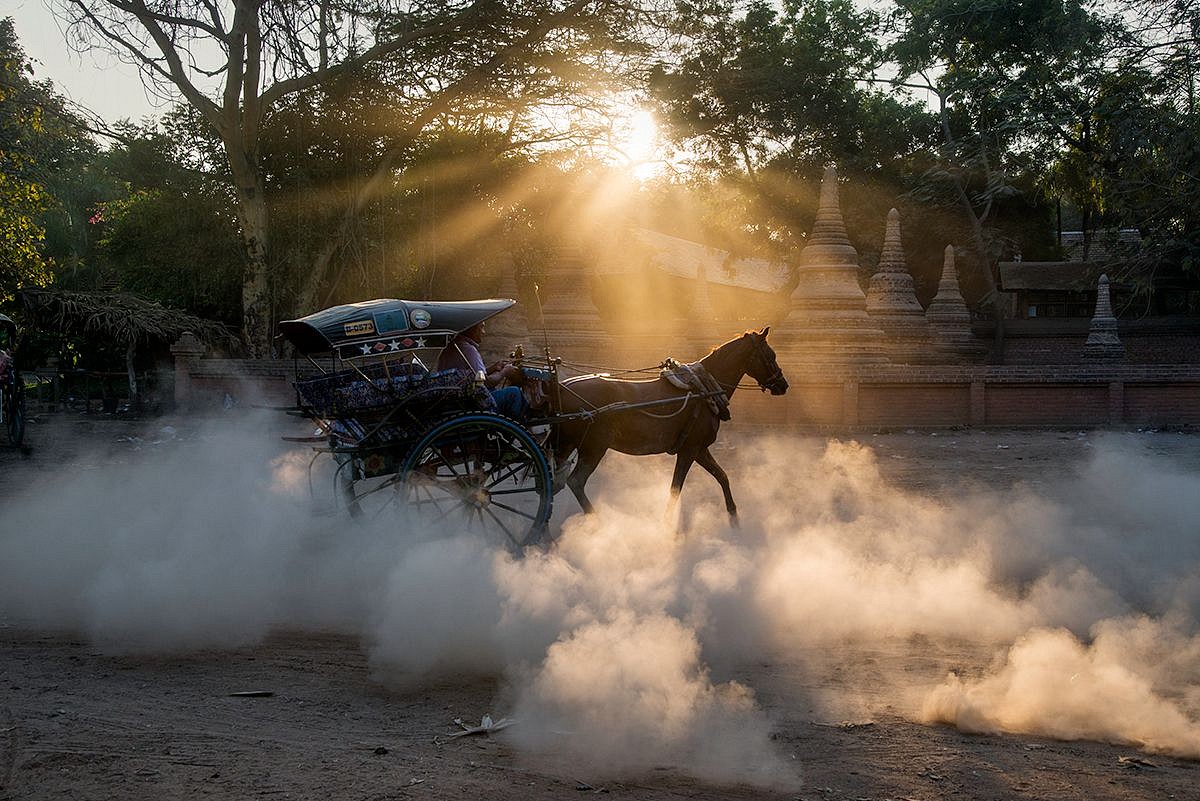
(386,325)
(8,325)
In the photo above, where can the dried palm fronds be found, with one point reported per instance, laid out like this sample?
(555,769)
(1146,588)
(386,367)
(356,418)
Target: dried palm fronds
(117,316)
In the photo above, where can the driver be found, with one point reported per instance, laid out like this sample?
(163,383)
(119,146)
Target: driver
(462,353)
(6,345)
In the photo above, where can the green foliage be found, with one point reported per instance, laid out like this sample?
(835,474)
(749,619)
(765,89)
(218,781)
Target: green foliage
(168,231)
(180,249)
(21,236)
(427,172)
(766,97)
(23,197)
(747,88)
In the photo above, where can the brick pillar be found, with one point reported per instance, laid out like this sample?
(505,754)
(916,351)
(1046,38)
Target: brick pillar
(187,351)
(978,403)
(850,403)
(1116,403)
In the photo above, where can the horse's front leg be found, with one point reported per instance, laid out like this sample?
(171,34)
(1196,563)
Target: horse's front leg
(705,459)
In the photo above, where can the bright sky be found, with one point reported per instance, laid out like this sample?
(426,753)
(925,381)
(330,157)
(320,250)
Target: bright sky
(96,80)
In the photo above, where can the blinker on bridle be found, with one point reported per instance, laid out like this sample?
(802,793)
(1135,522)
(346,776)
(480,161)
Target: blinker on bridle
(773,379)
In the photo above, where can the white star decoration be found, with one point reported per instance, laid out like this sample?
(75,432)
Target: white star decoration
(420,342)
(366,349)
(393,345)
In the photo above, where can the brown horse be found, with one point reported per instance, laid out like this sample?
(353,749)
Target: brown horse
(685,428)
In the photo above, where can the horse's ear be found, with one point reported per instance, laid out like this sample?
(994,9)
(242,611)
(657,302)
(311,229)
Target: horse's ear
(766,330)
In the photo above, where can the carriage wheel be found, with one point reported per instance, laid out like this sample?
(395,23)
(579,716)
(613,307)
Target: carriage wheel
(361,496)
(483,473)
(14,411)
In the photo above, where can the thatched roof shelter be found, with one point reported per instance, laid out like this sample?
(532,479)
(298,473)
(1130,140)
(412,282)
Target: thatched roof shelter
(118,317)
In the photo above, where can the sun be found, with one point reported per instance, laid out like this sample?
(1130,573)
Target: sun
(636,139)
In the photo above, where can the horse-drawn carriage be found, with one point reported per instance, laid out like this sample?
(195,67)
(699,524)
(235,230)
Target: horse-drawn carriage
(431,441)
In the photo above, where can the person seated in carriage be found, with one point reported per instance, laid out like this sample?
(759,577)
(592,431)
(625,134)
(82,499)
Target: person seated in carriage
(505,381)
(8,336)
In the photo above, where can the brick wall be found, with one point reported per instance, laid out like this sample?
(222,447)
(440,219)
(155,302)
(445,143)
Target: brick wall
(1046,404)
(246,381)
(1163,340)
(1161,404)
(835,396)
(914,404)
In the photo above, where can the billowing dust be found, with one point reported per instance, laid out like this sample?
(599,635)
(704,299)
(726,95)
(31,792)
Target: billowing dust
(628,633)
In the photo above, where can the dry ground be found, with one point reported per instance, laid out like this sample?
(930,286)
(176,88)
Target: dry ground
(77,724)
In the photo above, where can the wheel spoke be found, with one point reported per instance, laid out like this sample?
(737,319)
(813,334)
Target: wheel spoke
(446,485)
(512,471)
(514,511)
(437,452)
(500,523)
(472,513)
(513,491)
(443,516)
(385,506)
(391,482)
(429,495)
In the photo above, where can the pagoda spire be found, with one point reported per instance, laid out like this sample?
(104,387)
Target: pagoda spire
(948,313)
(1103,342)
(892,301)
(828,321)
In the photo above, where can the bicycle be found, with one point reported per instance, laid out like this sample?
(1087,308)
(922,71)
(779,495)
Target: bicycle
(12,388)
(12,404)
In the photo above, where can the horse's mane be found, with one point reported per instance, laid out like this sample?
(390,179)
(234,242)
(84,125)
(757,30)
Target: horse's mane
(716,348)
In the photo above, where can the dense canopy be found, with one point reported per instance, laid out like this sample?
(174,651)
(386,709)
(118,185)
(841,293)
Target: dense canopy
(322,154)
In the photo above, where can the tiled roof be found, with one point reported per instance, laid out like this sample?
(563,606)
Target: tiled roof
(1070,276)
(1104,247)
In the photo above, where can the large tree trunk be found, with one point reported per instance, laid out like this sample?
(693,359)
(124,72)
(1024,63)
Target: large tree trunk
(984,260)
(256,289)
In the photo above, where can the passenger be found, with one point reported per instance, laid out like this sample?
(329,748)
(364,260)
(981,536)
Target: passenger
(462,353)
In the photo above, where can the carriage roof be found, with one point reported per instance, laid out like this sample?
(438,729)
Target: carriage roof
(387,325)
(7,324)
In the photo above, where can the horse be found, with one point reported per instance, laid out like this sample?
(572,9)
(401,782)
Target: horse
(686,429)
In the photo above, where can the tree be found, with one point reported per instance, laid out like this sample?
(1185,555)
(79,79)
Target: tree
(442,203)
(237,61)
(1007,76)
(23,197)
(168,233)
(765,96)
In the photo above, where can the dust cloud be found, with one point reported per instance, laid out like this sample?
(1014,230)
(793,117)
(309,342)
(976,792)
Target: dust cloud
(1073,605)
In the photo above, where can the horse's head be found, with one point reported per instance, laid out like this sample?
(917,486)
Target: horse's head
(762,366)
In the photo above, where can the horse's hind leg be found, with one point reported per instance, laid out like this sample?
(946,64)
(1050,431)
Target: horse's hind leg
(589,459)
(705,459)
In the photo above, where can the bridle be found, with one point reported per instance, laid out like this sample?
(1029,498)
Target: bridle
(764,385)
(771,382)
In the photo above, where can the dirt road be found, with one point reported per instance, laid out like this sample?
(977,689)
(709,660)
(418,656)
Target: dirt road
(80,722)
